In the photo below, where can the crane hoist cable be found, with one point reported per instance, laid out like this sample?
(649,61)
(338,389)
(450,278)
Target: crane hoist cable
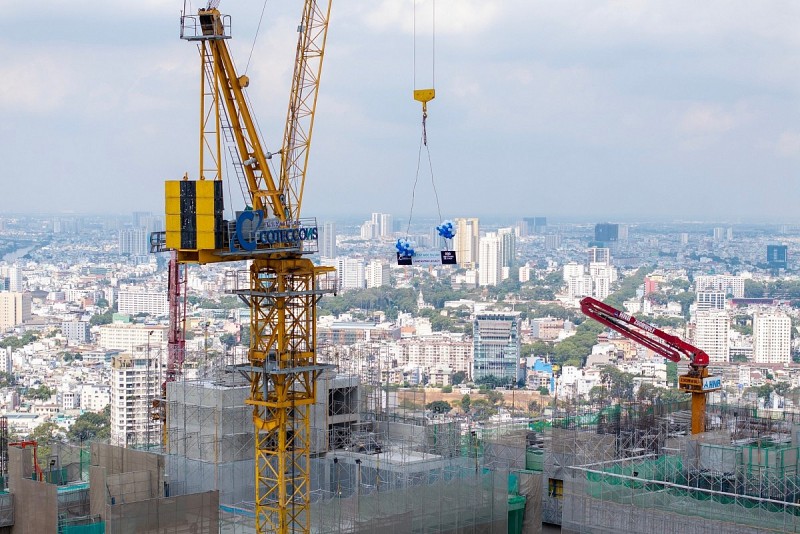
(255,37)
(424,96)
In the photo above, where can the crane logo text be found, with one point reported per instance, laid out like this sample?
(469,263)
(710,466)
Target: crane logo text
(252,230)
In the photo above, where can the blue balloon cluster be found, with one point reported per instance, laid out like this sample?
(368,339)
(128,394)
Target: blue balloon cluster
(446,230)
(404,248)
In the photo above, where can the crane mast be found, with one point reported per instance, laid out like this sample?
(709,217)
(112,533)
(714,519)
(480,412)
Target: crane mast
(697,381)
(281,285)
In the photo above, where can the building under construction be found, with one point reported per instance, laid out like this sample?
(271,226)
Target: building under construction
(638,469)
(382,463)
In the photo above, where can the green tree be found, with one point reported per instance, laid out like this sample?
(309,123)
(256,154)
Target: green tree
(482,409)
(459,377)
(42,392)
(620,383)
(754,289)
(544,391)
(465,403)
(685,299)
(7,380)
(447,389)
(89,426)
(228,340)
(43,435)
(672,373)
(439,406)
(102,318)
(598,395)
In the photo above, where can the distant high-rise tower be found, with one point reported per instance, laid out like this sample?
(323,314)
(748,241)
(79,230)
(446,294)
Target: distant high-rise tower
(711,334)
(552,241)
(599,255)
(327,247)
(490,266)
(496,346)
(719,234)
(772,341)
(508,246)
(606,232)
(777,256)
(466,242)
(15,278)
(383,224)
(710,300)
(134,242)
(684,237)
(534,225)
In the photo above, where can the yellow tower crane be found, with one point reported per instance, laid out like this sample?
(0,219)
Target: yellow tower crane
(283,286)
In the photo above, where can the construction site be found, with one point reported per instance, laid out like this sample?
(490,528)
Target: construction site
(281,441)
(392,468)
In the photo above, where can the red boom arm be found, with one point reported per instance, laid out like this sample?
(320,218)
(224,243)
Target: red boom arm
(667,345)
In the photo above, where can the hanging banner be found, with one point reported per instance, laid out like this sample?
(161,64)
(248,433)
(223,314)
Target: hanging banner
(444,257)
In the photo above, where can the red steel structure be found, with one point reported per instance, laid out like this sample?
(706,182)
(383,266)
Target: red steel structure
(697,381)
(176,342)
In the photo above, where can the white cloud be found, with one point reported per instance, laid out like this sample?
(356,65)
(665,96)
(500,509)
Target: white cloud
(452,17)
(788,144)
(38,83)
(706,119)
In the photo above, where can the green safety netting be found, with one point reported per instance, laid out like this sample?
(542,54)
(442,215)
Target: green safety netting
(94,528)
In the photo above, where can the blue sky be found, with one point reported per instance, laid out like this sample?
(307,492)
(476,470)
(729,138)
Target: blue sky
(609,109)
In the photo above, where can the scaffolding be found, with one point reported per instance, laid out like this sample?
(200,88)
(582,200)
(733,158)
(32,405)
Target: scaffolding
(636,468)
(210,438)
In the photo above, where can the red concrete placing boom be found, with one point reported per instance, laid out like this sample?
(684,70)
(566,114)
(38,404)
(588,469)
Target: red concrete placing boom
(697,381)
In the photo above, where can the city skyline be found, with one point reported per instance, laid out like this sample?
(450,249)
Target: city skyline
(570,108)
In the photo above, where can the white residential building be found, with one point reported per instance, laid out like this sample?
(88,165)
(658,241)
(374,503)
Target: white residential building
(76,332)
(726,283)
(603,275)
(772,337)
(137,300)
(377,273)
(524,274)
(350,273)
(430,352)
(489,260)
(134,384)
(15,308)
(94,397)
(712,334)
(579,284)
(15,279)
(127,337)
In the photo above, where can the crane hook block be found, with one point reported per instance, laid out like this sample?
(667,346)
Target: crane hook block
(424,96)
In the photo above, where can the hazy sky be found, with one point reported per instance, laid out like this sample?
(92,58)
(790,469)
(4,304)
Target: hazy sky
(609,109)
